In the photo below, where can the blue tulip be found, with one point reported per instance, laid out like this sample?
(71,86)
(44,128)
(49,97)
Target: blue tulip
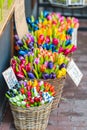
(68,42)
(70,31)
(31,75)
(36,28)
(45,13)
(28,20)
(22,53)
(36,21)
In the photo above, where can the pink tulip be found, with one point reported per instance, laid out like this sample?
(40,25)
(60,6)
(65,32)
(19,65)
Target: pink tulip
(47,40)
(20,74)
(49,17)
(29,94)
(73,49)
(66,51)
(61,50)
(58,15)
(55,41)
(23,61)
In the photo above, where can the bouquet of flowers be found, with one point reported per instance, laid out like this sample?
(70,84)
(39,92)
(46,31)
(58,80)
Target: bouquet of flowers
(40,64)
(31,93)
(54,32)
(27,44)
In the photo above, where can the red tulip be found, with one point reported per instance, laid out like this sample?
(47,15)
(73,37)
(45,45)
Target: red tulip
(28,67)
(27,105)
(32,101)
(41,38)
(13,62)
(23,61)
(22,90)
(54,22)
(36,99)
(22,66)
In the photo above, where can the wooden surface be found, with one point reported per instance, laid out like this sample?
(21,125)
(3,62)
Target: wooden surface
(7,13)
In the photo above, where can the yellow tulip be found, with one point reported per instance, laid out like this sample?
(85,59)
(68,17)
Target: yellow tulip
(59,74)
(60,61)
(49,32)
(63,37)
(63,71)
(35,83)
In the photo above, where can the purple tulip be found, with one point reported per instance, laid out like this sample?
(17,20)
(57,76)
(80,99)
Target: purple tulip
(21,82)
(53,75)
(30,37)
(19,42)
(50,76)
(25,83)
(62,66)
(45,76)
(46,63)
(36,60)
(21,57)
(50,64)
(31,75)
(31,45)
(16,37)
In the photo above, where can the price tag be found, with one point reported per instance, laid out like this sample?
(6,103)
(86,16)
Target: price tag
(20,19)
(74,72)
(74,37)
(10,77)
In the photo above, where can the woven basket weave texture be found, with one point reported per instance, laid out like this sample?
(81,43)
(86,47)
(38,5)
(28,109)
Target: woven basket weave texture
(33,118)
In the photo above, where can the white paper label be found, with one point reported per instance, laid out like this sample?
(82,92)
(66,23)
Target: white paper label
(74,72)
(10,77)
(74,37)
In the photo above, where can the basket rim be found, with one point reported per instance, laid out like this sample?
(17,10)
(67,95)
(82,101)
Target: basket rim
(43,106)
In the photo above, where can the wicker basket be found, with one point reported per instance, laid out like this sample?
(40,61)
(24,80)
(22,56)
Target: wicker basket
(34,118)
(59,85)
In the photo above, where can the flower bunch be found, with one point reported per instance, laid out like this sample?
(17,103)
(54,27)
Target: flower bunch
(31,93)
(40,64)
(54,32)
(25,45)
